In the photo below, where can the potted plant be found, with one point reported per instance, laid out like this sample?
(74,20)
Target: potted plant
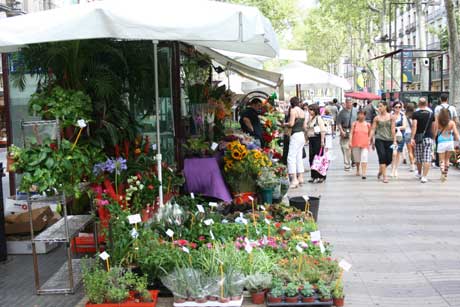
(176,282)
(324,292)
(267,181)
(337,294)
(276,295)
(257,284)
(292,293)
(307,293)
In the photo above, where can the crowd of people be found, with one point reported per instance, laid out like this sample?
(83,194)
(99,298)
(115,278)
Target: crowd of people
(417,134)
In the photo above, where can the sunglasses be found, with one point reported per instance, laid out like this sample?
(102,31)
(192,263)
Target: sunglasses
(397,107)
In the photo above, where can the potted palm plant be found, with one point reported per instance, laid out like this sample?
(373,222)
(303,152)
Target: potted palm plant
(307,293)
(257,284)
(292,293)
(337,294)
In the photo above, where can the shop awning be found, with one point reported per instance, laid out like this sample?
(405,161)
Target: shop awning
(363,96)
(268,78)
(211,24)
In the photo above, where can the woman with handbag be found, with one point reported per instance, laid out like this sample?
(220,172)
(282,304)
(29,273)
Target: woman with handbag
(316,132)
(296,143)
(447,132)
(400,124)
(383,128)
(359,143)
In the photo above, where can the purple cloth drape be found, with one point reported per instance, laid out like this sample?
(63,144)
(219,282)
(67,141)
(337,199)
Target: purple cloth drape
(203,176)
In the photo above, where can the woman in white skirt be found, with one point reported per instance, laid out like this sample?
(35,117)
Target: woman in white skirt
(329,123)
(447,132)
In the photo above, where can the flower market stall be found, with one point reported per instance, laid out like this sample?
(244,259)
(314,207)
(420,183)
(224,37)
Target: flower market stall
(160,236)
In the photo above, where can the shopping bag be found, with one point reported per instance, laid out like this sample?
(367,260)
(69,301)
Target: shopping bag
(320,163)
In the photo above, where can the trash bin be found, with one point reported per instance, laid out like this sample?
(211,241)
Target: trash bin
(300,203)
(3,252)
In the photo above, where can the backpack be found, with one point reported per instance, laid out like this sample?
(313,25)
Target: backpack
(448,109)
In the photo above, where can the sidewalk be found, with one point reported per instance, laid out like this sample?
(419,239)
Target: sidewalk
(403,238)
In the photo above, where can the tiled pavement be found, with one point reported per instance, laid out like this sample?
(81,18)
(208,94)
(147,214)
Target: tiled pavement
(403,238)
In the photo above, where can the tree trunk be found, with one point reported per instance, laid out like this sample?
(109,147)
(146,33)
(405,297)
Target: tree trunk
(454,54)
(421,29)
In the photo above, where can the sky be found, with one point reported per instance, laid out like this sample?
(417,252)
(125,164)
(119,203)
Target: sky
(308,3)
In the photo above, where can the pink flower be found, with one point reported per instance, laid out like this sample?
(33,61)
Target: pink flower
(103,202)
(209,245)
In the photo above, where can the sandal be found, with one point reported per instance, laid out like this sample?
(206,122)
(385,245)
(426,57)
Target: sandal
(364,177)
(385,180)
(294,185)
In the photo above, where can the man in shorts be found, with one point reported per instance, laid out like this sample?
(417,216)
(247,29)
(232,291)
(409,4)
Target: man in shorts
(422,137)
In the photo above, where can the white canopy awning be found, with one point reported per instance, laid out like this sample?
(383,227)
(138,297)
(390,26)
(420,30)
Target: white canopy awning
(309,76)
(211,24)
(268,78)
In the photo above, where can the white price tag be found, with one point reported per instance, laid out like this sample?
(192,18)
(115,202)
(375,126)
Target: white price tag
(251,198)
(192,195)
(315,236)
(321,247)
(134,218)
(104,256)
(213,204)
(81,123)
(267,221)
(345,265)
(208,222)
(286,228)
(241,215)
(170,233)
(306,197)
(170,169)
(248,248)
(154,146)
(245,221)
(262,207)
(134,233)
(200,208)
(214,146)
(185,249)
(212,235)
(299,249)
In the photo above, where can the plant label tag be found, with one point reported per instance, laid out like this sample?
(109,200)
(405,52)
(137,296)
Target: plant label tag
(81,123)
(134,233)
(286,228)
(208,222)
(262,207)
(345,265)
(214,146)
(212,235)
(299,249)
(104,256)
(192,195)
(248,248)
(185,249)
(315,236)
(134,218)
(267,221)
(170,233)
(241,215)
(213,204)
(170,169)
(200,208)
(154,146)
(306,197)
(251,198)
(321,247)
(245,221)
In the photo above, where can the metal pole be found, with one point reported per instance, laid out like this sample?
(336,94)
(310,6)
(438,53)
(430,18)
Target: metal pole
(401,73)
(442,72)
(391,74)
(3,250)
(157,110)
(429,74)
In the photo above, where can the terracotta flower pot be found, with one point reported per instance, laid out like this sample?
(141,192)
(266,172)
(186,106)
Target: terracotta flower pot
(258,298)
(179,300)
(213,298)
(235,298)
(325,299)
(294,299)
(190,299)
(309,299)
(224,300)
(201,300)
(339,302)
(272,299)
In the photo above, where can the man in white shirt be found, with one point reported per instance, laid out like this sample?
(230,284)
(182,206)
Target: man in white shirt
(445,105)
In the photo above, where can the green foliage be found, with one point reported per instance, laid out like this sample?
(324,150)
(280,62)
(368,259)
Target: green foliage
(324,290)
(337,289)
(307,290)
(94,279)
(258,282)
(267,179)
(277,292)
(292,290)
(57,103)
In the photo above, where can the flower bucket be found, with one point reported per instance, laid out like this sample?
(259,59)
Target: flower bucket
(267,196)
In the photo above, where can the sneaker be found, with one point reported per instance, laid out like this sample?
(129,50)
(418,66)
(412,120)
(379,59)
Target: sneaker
(412,168)
(347,169)
(424,180)
(418,176)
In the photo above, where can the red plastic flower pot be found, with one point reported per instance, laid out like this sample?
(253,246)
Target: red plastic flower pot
(258,298)
(325,300)
(309,299)
(130,302)
(272,299)
(339,302)
(294,299)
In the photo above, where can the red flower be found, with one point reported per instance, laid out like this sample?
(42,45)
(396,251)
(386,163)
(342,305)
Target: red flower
(193,245)
(117,151)
(53,146)
(277,225)
(268,217)
(147,145)
(201,238)
(150,187)
(181,242)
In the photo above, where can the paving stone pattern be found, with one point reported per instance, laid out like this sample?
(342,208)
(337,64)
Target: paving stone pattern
(403,238)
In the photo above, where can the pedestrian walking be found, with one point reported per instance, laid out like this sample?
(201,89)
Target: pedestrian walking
(345,119)
(446,133)
(296,143)
(333,111)
(370,112)
(329,125)
(359,142)
(444,104)
(400,125)
(423,131)
(316,132)
(384,139)
(407,136)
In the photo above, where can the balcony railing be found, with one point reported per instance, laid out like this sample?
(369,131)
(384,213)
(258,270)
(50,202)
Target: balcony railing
(436,14)
(411,27)
(434,46)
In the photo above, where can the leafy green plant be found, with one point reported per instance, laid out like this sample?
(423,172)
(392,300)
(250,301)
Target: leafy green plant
(258,282)
(292,290)
(267,179)
(324,290)
(196,147)
(95,279)
(277,292)
(337,289)
(307,290)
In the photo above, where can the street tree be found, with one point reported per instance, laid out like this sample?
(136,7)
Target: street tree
(454,53)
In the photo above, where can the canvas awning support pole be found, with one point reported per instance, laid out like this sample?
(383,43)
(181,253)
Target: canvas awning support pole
(157,110)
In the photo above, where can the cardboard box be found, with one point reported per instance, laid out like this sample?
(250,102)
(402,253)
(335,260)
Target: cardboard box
(19,223)
(25,247)
(14,205)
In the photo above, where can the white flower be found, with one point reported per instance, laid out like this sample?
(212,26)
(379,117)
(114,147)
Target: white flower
(81,123)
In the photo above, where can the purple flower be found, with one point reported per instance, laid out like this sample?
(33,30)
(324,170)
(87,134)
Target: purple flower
(98,168)
(110,166)
(120,165)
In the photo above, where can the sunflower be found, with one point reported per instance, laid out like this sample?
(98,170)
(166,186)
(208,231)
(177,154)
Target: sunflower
(228,165)
(257,155)
(236,155)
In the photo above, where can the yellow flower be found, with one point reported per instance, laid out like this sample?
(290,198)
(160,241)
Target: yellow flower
(236,155)
(257,155)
